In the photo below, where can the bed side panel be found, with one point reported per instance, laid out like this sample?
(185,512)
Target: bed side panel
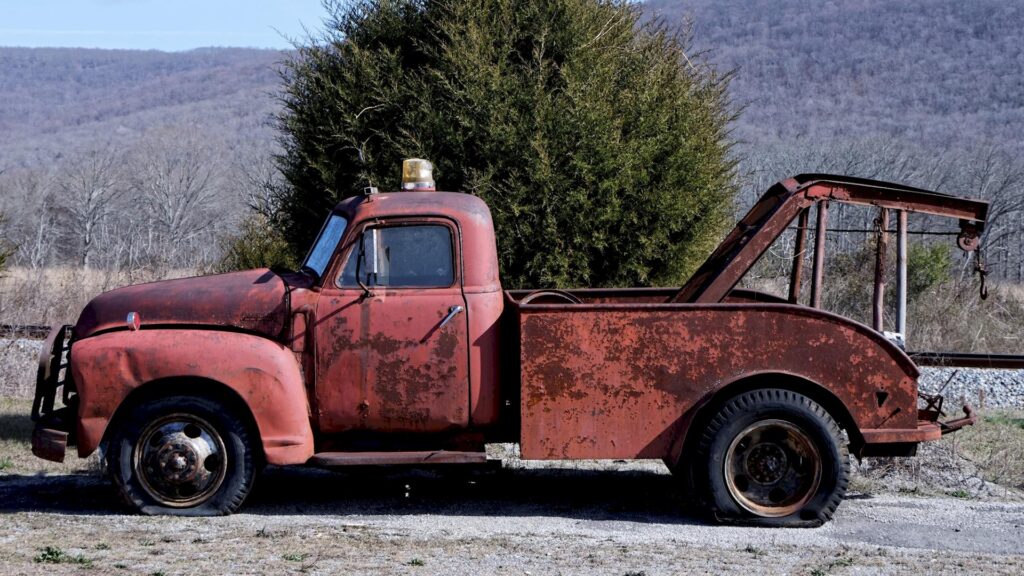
(616,383)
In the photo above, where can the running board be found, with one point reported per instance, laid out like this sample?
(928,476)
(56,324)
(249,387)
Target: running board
(338,459)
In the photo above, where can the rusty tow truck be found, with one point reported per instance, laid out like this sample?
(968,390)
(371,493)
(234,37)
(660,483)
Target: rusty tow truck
(395,344)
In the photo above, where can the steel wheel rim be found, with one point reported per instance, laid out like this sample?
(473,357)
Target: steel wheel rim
(772,468)
(180,460)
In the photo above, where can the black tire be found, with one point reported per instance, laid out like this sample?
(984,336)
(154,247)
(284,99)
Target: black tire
(771,457)
(182,456)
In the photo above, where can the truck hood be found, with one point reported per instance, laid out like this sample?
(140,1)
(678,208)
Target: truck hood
(253,301)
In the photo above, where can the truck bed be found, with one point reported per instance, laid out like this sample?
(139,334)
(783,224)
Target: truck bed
(621,373)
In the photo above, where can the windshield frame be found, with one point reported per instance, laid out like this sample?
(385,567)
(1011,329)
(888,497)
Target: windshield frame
(326,245)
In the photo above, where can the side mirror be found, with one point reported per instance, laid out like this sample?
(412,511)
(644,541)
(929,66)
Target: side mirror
(367,253)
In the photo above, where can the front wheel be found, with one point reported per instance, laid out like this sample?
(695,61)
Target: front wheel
(182,455)
(772,457)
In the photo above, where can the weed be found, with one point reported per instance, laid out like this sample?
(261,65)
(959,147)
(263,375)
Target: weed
(307,566)
(826,569)
(147,543)
(102,546)
(295,557)
(842,561)
(1004,420)
(54,555)
(121,566)
(754,551)
(417,562)
(959,494)
(6,463)
(157,573)
(635,573)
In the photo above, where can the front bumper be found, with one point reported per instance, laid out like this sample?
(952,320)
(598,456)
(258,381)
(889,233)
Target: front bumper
(50,441)
(55,426)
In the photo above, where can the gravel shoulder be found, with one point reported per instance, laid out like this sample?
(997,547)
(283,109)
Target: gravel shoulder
(489,521)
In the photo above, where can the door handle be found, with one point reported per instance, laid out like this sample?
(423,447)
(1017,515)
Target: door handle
(452,313)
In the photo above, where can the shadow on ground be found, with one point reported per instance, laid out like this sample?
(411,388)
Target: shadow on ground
(490,491)
(15,427)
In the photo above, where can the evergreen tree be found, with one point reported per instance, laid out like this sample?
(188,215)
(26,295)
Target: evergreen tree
(601,148)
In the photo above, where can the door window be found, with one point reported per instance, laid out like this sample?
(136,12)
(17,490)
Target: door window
(417,256)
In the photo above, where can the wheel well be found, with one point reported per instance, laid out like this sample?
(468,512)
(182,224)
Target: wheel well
(833,405)
(192,386)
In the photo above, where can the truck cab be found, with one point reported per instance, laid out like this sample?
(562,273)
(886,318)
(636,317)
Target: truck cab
(394,344)
(401,316)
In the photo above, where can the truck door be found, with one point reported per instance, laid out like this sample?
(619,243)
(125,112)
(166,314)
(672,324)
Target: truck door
(392,332)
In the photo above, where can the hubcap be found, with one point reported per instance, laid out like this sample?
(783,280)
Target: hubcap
(180,459)
(772,468)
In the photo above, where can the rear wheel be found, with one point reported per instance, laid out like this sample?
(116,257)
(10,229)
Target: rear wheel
(772,457)
(182,455)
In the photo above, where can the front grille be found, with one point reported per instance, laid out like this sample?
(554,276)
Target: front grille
(54,376)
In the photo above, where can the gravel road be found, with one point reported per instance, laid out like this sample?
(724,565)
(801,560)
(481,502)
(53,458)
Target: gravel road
(491,521)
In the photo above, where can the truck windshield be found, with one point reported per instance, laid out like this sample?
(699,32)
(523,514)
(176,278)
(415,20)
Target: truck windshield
(320,255)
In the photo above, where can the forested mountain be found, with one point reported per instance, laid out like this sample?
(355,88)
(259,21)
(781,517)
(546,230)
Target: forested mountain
(929,71)
(131,160)
(927,92)
(54,101)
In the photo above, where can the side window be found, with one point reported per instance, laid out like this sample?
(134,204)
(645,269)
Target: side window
(417,256)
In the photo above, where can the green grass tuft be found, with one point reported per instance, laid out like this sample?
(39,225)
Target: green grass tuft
(54,555)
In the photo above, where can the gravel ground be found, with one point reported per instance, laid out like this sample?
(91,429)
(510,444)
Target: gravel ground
(977,387)
(18,361)
(489,521)
(525,518)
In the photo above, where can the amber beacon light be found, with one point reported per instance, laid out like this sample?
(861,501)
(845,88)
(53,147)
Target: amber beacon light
(417,174)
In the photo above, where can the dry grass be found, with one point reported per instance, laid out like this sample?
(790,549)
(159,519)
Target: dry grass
(16,445)
(981,461)
(950,316)
(954,317)
(57,295)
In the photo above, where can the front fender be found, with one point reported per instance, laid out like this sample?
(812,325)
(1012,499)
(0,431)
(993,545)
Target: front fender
(264,374)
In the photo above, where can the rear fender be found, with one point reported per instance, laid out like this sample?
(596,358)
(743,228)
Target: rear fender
(264,374)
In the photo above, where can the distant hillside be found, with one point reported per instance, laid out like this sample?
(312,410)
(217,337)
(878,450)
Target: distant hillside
(927,92)
(928,71)
(56,100)
(932,71)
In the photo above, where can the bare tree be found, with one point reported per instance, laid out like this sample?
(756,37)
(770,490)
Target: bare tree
(176,180)
(90,184)
(261,184)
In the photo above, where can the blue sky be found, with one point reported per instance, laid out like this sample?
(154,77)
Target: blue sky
(156,24)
